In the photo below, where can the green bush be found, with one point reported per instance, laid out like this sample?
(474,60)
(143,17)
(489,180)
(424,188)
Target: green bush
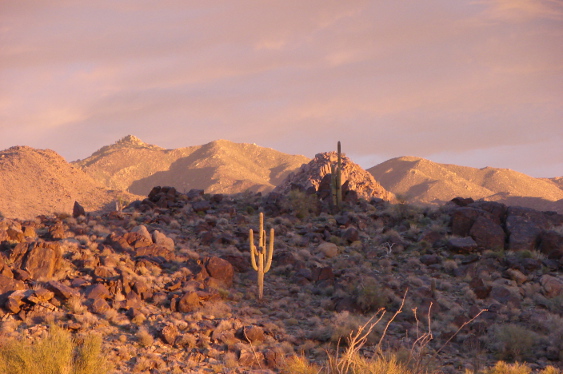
(56,353)
(512,341)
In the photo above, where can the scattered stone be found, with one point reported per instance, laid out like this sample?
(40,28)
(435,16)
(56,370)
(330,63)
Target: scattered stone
(462,245)
(329,250)
(78,210)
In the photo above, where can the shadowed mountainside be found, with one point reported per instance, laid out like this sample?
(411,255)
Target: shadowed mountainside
(424,181)
(36,181)
(217,167)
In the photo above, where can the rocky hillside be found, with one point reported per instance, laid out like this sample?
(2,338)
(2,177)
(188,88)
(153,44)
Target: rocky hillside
(168,283)
(35,181)
(423,181)
(217,167)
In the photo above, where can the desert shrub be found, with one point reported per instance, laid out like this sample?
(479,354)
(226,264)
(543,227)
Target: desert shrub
(302,204)
(370,296)
(502,367)
(512,341)
(58,352)
(144,337)
(299,365)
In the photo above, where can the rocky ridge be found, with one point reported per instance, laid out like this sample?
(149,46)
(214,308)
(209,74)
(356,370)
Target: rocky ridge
(217,167)
(168,283)
(35,182)
(423,181)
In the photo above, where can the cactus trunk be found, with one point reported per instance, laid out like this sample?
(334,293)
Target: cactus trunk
(261,253)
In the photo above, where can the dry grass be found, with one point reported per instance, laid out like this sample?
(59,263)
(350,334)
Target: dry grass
(58,352)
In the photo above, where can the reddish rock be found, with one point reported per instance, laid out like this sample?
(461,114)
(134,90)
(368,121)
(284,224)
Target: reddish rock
(250,334)
(552,286)
(61,290)
(487,234)
(142,289)
(524,226)
(220,269)
(169,333)
(188,303)
(551,244)
(40,295)
(15,235)
(481,290)
(322,273)
(155,251)
(496,210)
(137,240)
(15,301)
(39,259)
(462,219)
(100,306)
(97,291)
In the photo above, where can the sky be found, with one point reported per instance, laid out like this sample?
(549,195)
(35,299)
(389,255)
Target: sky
(469,82)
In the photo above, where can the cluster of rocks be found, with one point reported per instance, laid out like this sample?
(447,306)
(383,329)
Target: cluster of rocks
(177,265)
(315,177)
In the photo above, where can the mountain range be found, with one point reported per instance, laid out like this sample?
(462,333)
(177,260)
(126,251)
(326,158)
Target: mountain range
(34,181)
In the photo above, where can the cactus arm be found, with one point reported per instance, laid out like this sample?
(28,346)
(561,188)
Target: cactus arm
(270,252)
(253,251)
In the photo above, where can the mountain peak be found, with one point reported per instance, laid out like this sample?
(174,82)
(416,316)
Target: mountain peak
(131,140)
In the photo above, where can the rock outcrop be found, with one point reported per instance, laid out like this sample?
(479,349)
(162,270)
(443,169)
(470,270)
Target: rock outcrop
(315,176)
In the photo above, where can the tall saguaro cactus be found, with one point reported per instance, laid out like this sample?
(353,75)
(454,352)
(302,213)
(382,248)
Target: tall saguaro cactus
(336,181)
(261,257)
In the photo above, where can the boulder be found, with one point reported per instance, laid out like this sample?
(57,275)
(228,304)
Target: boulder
(169,333)
(250,334)
(40,259)
(551,244)
(552,286)
(487,234)
(188,303)
(329,250)
(462,245)
(220,269)
(78,210)
(61,290)
(162,240)
(524,226)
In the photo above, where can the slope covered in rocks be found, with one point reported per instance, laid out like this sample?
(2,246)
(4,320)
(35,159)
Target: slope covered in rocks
(218,167)
(37,181)
(168,284)
(424,181)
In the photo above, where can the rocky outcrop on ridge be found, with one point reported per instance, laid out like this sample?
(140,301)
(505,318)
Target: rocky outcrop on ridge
(315,177)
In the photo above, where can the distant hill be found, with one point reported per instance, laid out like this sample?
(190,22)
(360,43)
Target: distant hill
(217,167)
(423,181)
(37,181)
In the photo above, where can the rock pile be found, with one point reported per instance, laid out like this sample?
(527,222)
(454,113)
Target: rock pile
(315,177)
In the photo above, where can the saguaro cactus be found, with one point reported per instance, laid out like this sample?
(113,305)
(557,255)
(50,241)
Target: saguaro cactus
(336,181)
(262,254)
